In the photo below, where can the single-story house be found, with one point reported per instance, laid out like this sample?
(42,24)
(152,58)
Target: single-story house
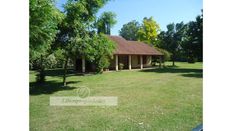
(132,54)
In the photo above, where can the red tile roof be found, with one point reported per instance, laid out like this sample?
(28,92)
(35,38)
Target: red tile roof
(124,47)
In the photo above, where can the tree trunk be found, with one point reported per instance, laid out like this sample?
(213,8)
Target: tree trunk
(173,62)
(65,72)
(41,76)
(160,62)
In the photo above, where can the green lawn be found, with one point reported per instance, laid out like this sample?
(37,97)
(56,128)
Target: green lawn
(153,99)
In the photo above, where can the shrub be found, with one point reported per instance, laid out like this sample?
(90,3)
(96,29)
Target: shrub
(102,63)
(191,60)
(101,51)
(60,57)
(167,55)
(51,61)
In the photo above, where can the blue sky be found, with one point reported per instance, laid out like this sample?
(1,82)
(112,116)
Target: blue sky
(163,11)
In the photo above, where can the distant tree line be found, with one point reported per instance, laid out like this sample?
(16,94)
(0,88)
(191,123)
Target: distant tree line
(181,42)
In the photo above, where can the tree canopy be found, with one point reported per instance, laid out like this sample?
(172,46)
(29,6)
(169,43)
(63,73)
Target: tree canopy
(149,31)
(184,41)
(102,51)
(105,22)
(130,30)
(172,39)
(75,31)
(44,18)
(194,42)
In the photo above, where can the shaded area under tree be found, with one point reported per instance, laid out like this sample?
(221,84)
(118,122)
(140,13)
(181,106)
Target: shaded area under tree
(197,73)
(49,87)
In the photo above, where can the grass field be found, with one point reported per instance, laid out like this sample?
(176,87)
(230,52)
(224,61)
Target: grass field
(153,99)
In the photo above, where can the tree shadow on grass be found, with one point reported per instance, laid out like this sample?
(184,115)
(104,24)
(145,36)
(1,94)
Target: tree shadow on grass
(70,72)
(49,87)
(171,66)
(197,73)
(60,72)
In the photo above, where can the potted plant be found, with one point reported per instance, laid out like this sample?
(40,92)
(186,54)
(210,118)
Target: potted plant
(121,65)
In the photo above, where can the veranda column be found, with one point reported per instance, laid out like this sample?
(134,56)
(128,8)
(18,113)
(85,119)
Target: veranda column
(116,62)
(129,62)
(141,62)
(160,60)
(83,64)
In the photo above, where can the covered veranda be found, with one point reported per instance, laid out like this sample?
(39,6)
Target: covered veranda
(134,61)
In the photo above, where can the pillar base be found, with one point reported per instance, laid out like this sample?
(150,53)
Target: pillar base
(129,62)
(141,62)
(116,62)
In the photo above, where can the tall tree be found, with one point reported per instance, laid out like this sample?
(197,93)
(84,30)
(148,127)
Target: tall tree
(75,36)
(184,41)
(106,21)
(194,43)
(172,39)
(178,40)
(130,30)
(44,18)
(149,31)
